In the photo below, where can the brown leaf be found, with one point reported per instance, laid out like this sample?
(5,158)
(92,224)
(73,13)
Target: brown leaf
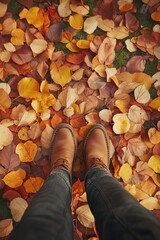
(131,22)
(22,55)
(137,147)
(106,52)
(136,64)
(54,33)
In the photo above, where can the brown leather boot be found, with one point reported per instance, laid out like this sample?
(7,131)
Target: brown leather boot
(63,147)
(96,148)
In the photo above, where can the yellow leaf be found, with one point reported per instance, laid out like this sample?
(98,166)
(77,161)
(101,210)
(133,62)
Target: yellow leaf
(60,75)
(143,79)
(148,187)
(33,184)
(154,163)
(83,44)
(26,151)
(76,21)
(155,104)
(125,172)
(27,87)
(14,179)
(118,32)
(121,123)
(18,37)
(122,102)
(150,203)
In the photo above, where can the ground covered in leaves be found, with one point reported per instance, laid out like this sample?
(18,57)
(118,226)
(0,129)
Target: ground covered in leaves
(81,62)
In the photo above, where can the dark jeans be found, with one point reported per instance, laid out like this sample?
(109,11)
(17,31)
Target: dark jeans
(118,215)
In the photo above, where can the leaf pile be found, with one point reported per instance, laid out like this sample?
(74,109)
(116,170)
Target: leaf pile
(80,62)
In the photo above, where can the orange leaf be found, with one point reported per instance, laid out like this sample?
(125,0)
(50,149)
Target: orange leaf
(27,87)
(34,16)
(14,179)
(17,37)
(33,184)
(127,7)
(23,133)
(76,58)
(60,75)
(3,8)
(26,151)
(56,120)
(83,130)
(77,122)
(154,135)
(155,104)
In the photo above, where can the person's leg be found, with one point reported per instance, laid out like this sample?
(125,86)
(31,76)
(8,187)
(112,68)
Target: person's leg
(49,213)
(118,215)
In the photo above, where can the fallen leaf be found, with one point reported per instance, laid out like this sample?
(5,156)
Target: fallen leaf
(54,32)
(95,81)
(27,87)
(141,94)
(154,135)
(3,8)
(22,55)
(64,8)
(68,96)
(150,203)
(136,64)
(8,158)
(33,16)
(17,37)
(5,101)
(121,123)
(76,21)
(15,179)
(26,151)
(83,44)
(125,172)
(60,75)
(137,146)
(75,58)
(155,103)
(105,115)
(27,118)
(82,9)
(132,22)
(33,184)
(18,207)
(154,163)
(90,24)
(38,46)
(34,132)
(120,32)
(23,134)
(7,136)
(106,52)
(6,225)
(46,136)
(85,216)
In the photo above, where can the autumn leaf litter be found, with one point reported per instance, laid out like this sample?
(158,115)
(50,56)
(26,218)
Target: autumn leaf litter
(58,63)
